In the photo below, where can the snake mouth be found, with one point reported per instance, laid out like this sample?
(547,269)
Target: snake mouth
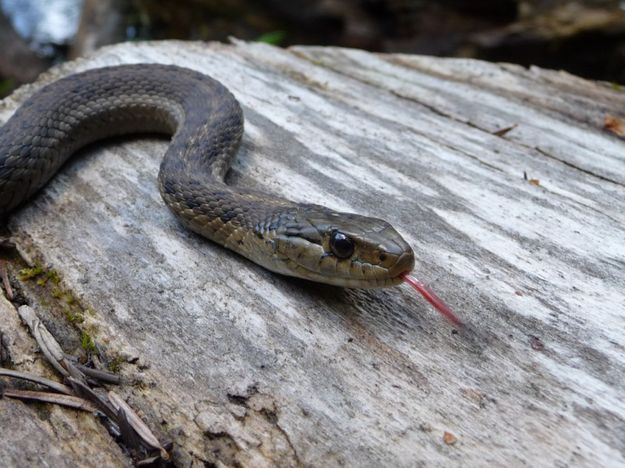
(403,265)
(362,275)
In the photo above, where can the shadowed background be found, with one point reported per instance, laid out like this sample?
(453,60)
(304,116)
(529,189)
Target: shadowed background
(585,37)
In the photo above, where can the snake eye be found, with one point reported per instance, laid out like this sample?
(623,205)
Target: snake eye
(341,245)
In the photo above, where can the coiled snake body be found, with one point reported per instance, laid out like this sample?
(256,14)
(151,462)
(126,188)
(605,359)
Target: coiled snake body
(206,121)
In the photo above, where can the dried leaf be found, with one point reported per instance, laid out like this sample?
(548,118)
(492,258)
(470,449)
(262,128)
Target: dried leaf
(449,438)
(149,461)
(535,182)
(101,403)
(100,375)
(129,435)
(5,280)
(74,372)
(5,352)
(137,424)
(49,346)
(615,125)
(36,379)
(502,132)
(56,398)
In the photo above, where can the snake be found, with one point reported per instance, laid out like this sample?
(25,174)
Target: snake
(205,123)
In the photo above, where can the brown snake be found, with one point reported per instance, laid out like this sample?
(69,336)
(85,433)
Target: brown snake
(206,121)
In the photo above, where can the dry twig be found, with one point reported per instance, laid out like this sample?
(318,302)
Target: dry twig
(56,398)
(5,280)
(51,384)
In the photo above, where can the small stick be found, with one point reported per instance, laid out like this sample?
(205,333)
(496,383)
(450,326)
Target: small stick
(56,398)
(36,379)
(100,375)
(5,280)
(48,345)
(133,419)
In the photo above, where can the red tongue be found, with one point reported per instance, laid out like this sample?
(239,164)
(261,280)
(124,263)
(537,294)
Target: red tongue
(432,298)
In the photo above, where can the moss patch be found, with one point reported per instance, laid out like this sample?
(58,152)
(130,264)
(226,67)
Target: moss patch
(49,281)
(115,364)
(60,302)
(87,343)
(29,273)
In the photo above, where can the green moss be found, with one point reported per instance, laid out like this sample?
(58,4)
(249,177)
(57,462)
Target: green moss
(41,273)
(69,298)
(273,37)
(50,275)
(53,276)
(618,87)
(73,317)
(87,342)
(115,364)
(62,301)
(6,86)
(30,273)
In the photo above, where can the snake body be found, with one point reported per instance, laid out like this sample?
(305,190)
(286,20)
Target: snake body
(206,125)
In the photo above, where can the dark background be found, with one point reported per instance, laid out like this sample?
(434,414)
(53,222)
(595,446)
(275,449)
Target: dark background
(584,37)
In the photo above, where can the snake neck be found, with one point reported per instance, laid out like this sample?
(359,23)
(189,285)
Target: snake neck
(242,220)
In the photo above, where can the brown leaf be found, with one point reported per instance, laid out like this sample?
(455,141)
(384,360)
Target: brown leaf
(501,132)
(615,125)
(449,438)
(535,182)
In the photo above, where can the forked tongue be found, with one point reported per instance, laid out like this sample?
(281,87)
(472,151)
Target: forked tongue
(432,298)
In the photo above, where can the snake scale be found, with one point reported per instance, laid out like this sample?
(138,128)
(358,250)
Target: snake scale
(205,122)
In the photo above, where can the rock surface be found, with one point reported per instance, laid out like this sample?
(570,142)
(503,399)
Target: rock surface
(504,181)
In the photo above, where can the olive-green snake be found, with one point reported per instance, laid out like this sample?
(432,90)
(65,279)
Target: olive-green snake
(206,121)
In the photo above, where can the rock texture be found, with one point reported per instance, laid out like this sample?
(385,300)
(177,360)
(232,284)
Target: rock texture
(503,179)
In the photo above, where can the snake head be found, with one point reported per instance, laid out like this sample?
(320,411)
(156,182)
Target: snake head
(342,249)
